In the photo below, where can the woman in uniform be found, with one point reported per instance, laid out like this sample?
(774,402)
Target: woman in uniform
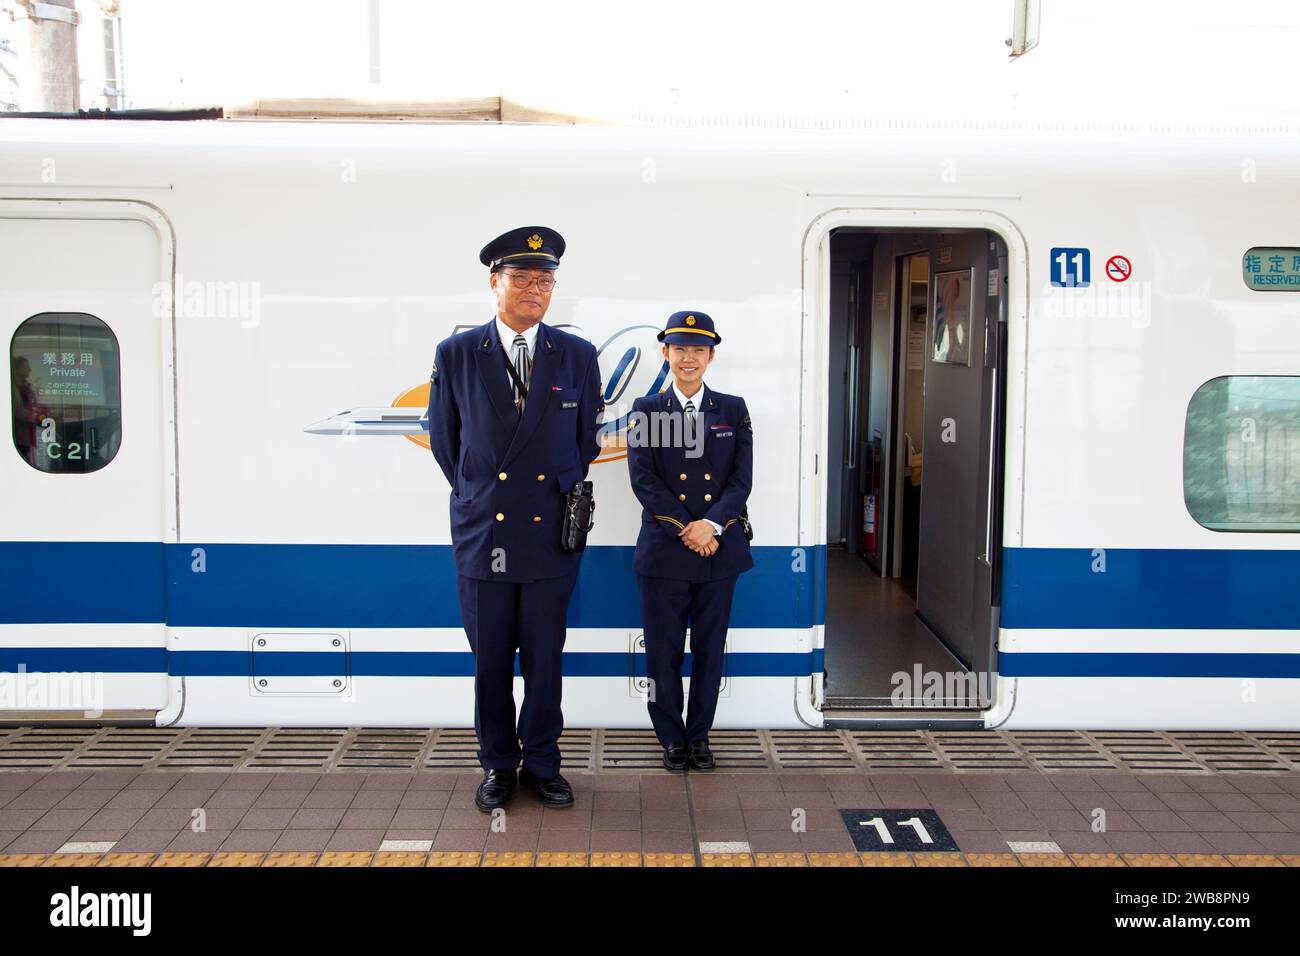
(690,460)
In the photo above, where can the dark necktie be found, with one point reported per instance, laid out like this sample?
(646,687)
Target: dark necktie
(522,367)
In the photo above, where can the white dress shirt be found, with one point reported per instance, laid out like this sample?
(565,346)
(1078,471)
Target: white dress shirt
(695,401)
(507,336)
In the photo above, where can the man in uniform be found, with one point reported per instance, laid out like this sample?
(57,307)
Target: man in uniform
(513,411)
(692,546)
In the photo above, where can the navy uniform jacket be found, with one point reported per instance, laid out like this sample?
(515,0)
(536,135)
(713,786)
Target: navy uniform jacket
(675,490)
(508,475)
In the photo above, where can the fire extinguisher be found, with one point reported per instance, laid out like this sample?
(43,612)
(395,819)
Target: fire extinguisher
(869,524)
(871,494)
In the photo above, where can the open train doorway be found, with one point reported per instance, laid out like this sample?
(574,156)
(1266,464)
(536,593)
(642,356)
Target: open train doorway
(917,345)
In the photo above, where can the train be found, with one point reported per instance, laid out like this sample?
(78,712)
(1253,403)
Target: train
(1025,399)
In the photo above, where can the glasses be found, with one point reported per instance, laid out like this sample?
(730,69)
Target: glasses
(520,281)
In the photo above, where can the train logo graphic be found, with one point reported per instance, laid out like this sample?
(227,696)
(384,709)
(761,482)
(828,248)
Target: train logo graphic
(631,365)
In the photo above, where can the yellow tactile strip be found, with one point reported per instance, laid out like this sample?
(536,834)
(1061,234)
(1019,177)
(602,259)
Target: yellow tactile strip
(632,858)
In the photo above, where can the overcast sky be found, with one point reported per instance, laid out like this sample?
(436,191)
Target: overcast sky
(1096,59)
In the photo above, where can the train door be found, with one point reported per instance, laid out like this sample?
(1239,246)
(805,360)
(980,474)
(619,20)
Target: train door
(89,495)
(954,593)
(912,556)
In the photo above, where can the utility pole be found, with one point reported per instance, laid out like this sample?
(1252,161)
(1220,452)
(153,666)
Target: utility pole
(53,83)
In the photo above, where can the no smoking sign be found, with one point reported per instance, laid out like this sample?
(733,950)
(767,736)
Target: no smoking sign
(1118,268)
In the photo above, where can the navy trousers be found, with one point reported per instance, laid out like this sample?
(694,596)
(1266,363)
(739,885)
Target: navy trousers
(667,607)
(501,617)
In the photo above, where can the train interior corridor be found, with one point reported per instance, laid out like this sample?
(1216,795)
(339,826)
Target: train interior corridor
(917,333)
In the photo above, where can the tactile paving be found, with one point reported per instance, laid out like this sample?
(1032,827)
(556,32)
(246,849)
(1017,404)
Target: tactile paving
(631,750)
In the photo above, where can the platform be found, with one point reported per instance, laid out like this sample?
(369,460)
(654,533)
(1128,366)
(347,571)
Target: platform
(382,797)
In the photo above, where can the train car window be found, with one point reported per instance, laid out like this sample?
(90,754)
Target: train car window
(66,392)
(1241,453)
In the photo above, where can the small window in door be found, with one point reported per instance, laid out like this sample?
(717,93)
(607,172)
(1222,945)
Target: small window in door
(64,376)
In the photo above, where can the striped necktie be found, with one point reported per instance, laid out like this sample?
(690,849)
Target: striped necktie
(690,409)
(522,367)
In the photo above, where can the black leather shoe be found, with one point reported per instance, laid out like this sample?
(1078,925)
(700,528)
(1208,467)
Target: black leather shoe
(497,788)
(701,756)
(675,757)
(554,791)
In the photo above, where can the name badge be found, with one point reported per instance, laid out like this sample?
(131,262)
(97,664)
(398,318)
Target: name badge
(568,404)
(723,434)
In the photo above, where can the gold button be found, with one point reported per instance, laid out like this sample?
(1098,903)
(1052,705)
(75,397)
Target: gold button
(502,476)
(537,518)
(708,497)
(500,516)
(682,477)
(541,477)
(681,497)
(707,476)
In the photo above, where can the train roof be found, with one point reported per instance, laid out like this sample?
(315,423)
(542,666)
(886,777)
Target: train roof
(329,121)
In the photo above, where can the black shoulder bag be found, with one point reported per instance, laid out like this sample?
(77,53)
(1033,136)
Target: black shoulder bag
(579,503)
(579,509)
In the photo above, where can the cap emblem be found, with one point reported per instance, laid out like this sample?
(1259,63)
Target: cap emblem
(534,242)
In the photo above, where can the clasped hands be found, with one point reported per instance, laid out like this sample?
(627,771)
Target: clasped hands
(699,537)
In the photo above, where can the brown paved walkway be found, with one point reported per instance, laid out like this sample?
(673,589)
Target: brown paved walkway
(725,818)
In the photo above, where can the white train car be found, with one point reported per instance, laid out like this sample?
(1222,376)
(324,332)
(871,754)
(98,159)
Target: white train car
(1026,407)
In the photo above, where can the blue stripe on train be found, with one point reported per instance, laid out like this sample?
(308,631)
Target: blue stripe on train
(362,664)
(1149,665)
(604,663)
(1150,588)
(345,586)
(82,582)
